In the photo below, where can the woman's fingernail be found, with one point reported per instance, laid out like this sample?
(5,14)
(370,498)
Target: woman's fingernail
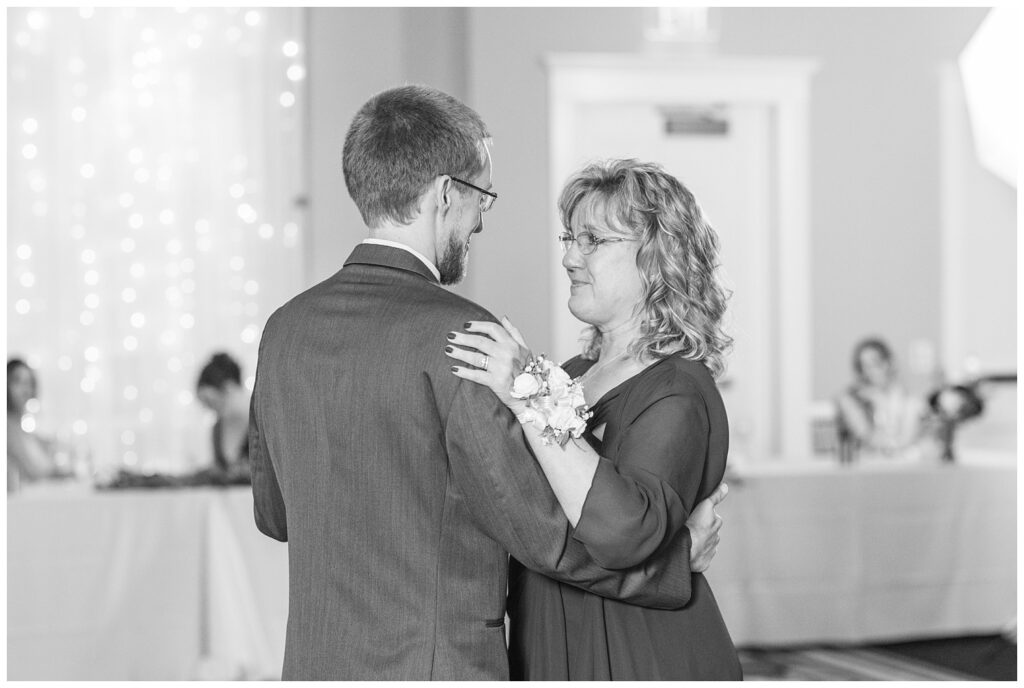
(466,326)
(448,349)
(455,369)
(451,335)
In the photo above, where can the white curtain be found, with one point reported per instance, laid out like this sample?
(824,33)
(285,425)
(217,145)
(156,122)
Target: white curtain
(154,213)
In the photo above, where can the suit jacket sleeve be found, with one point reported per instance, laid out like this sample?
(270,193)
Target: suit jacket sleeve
(268,502)
(505,490)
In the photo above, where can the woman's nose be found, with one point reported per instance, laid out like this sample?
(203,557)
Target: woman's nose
(572,258)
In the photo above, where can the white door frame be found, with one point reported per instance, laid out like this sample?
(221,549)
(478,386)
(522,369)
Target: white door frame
(783,86)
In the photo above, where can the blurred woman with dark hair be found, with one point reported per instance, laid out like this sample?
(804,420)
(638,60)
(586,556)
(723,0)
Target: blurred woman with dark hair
(220,389)
(29,457)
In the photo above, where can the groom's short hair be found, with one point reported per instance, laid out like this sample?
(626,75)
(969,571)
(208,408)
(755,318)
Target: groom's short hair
(400,141)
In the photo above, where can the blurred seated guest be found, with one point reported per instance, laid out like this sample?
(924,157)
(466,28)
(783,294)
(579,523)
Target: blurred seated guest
(30,458)
(220,389)
(876,412)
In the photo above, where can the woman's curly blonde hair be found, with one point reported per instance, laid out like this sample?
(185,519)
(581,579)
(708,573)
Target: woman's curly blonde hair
(683,302)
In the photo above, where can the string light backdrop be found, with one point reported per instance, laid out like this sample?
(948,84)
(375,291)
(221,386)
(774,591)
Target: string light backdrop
(154,186)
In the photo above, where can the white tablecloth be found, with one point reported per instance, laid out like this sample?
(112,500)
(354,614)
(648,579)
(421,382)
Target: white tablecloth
(880,550)
(142,585)
(248,592)
(153,584)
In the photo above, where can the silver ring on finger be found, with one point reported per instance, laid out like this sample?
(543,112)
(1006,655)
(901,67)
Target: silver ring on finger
(484,362)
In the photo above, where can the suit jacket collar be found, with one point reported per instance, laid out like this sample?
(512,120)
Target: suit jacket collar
(389,257)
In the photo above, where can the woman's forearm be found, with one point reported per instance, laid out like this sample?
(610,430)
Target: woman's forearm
(856,420)
(569,470)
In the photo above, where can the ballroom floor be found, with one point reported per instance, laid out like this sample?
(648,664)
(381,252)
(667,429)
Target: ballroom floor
(991,658)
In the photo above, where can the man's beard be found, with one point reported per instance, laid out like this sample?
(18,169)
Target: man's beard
(453,261)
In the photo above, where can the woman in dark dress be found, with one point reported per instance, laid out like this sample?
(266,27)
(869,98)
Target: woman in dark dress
(220,389)
(642,262)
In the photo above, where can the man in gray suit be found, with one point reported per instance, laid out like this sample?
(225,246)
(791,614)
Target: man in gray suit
(399,488)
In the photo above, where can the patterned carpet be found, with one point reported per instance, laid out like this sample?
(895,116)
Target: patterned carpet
(841,664)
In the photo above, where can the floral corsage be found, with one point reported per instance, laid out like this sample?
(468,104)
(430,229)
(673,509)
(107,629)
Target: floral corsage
(555,403)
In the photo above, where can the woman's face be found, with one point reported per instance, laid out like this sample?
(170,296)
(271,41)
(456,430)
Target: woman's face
(21,386)
(875,368)
(212,398)
(605,285)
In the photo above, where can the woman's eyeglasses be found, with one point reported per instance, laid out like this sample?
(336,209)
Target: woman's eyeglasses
(587,242)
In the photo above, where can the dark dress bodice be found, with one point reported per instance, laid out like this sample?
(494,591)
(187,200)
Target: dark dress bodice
(219,459)
(666,438)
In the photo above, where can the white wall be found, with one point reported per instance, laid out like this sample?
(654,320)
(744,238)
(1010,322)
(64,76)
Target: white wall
(875,141)
(979,268)
(353,53)
(979,295)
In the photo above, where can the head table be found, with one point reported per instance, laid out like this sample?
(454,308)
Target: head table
(142,585)
(178,584)
(884,549)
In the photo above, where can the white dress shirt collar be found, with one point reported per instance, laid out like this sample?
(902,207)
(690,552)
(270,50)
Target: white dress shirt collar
(394,244)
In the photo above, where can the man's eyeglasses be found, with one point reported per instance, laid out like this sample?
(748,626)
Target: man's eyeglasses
(487,197)
(587,242)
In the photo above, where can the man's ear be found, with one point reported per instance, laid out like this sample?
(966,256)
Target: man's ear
(443,193)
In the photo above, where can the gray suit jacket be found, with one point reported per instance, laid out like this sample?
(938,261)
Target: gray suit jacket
(401,489)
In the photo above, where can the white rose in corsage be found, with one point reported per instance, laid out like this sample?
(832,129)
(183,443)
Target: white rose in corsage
(525,385)
(558,382)
(554,401)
